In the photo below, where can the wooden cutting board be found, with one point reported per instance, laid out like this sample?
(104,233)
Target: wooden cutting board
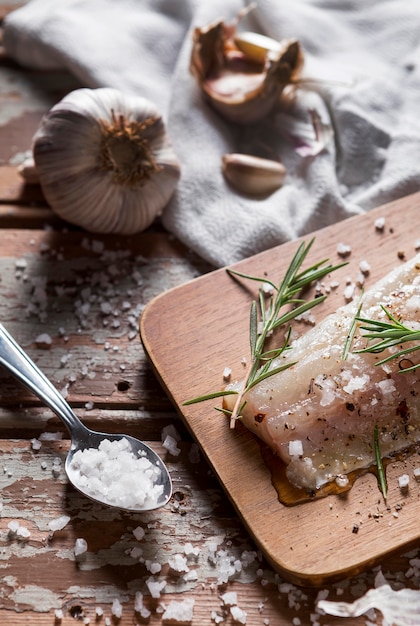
(193,332)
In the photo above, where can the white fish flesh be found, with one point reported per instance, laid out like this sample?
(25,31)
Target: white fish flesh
(320,415)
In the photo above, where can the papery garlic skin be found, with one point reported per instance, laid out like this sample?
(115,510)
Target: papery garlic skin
(242,79)
(253,175)
(105,161)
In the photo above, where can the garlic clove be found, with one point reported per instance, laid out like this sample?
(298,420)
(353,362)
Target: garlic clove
(243,81)
(256,46)
(105,161)
(253,175)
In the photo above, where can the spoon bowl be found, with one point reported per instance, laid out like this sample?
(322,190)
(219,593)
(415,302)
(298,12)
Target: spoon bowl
(113,469)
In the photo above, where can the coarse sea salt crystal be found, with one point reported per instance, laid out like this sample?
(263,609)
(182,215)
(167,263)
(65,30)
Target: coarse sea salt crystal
(139,606)
(343,249)
(80,546)
(179,612)
(35,444)
(13,526)
(178,563)
(171,446)
(155,587)
(116,608)
(403,481)
(113,474)
(380,223)
(238,614)
(139,533)
(230,598)
(295,447)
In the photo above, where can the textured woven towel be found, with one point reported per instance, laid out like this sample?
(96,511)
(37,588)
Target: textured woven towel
(364,53)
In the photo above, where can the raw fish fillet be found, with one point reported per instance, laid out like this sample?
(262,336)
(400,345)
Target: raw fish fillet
(319,416)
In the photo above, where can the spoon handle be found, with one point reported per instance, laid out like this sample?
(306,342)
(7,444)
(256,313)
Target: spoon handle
(18,363)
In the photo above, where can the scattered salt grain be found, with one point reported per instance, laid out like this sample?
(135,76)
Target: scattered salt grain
(179,612)
(136,553)
(227,373)
(343,249)
(113,474)
(230,598)
(178,564)
(380,223)
(116,608)
(58,613)
(43,341)
(348,292)
(99,612)
(170,430)
(153,567)
(403,481)
(23,533)
(216,618)
(238,615)
(170,444)
(139,606)
(190,550)
(342,480)
(364,267)
(155,587)
(20,264)
(35,444)
(139,533)
(80,547)
(295,447)
(416,473)
(13,526)
(59,523)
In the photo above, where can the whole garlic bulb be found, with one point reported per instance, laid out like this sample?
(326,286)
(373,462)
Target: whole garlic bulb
(105,161)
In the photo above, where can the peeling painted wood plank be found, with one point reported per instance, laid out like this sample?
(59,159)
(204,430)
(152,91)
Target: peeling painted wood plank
(41,573)
(86,294)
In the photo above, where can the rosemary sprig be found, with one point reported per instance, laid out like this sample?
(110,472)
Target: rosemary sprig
(269,313)
(378,458)
(388,335)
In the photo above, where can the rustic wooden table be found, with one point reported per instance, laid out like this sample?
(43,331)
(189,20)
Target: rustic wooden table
(53,280)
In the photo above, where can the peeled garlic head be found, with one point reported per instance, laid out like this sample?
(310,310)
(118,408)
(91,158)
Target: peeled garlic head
(243,76)
(105,161)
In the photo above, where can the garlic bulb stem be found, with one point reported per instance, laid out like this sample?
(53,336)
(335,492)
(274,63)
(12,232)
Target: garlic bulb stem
(125,151)
(253,175)
(105,161)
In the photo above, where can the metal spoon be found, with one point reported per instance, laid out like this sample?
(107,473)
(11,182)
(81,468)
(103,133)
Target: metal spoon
(18,363)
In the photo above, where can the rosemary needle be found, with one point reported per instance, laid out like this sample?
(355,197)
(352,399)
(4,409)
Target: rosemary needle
(379,464)
(389,334)
(269,313)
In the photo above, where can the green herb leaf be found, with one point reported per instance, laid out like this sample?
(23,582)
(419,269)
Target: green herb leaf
(389,334)
(379,464)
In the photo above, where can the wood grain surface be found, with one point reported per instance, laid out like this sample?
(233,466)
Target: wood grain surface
(49,283)
(196,330)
